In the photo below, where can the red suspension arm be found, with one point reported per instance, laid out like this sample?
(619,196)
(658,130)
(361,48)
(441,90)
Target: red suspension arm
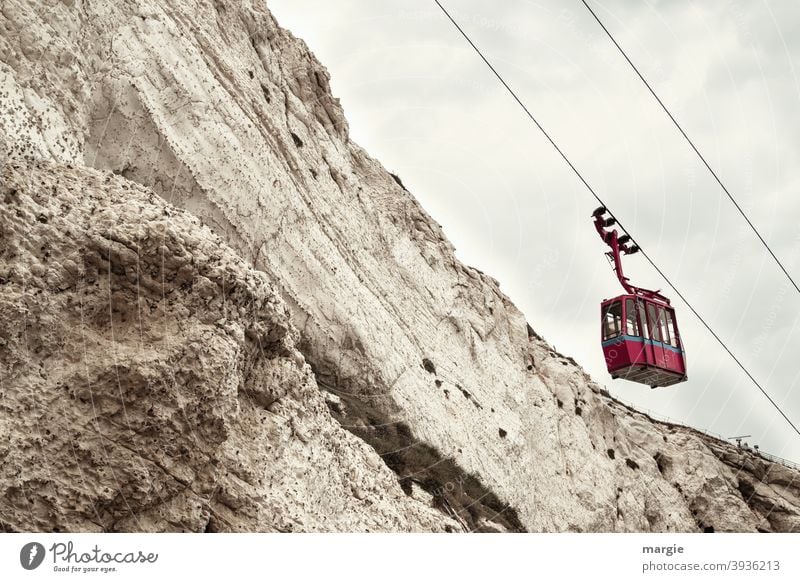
(621,244)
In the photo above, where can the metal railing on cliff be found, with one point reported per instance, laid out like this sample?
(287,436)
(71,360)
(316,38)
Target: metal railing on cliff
(667,420)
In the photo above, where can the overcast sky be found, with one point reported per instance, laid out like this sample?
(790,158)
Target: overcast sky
(421,101)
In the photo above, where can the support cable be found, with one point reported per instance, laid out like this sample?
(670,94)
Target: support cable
(592,191)
(691,143)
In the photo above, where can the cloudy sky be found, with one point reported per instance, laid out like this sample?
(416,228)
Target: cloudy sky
(420,100)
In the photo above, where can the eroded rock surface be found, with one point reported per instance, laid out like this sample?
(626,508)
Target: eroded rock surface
(220,111)
(150,380)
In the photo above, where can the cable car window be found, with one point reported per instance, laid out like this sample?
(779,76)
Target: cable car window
(662,325)
(671,328)
(655,333)
(612,320)
(631,321)
(642,317)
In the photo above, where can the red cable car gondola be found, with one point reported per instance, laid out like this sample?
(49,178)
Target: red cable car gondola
(639,332)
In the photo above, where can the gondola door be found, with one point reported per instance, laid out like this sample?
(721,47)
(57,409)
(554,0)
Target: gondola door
(647,356)
(653,324)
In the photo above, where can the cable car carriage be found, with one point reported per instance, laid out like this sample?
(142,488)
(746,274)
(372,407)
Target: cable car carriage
(640,336)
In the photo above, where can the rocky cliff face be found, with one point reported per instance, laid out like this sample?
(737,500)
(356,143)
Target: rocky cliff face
(151,379)
(353,376)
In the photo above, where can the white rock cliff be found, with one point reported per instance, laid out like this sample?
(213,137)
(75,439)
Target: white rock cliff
(329,366)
